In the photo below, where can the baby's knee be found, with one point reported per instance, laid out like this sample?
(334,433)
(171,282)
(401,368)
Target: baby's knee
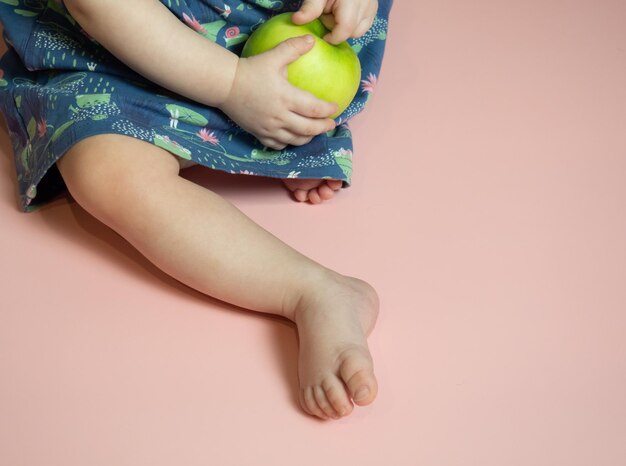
(106,173)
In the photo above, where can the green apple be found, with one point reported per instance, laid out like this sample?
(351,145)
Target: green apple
(330,72)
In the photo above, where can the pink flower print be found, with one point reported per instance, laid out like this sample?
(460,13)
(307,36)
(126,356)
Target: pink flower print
(345,153)
(208,137)
(42,127)
(193,23)
(246,172)
(232,32)
(369,84)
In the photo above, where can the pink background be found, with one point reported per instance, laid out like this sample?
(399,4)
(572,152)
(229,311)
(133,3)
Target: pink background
(488,209)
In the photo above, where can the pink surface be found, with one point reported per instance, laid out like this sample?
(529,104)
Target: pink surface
(488,211)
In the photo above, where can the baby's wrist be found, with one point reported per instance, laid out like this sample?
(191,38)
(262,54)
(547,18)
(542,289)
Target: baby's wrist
(228,84)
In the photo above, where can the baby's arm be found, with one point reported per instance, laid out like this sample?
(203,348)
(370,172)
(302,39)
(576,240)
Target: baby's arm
(253,91)
(148,38)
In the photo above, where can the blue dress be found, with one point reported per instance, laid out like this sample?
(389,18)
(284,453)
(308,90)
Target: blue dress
(58,86)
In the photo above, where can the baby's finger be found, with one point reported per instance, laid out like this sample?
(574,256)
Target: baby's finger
(290,138)
(306,104)
(272,143)
(310,10)
(363,27)
(290,50)
(328,20)
(367,19)
(303,126)
(284,138)
(346,21)
(300,140)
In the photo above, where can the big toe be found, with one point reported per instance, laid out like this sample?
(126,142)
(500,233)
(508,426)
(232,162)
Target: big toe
(357,372)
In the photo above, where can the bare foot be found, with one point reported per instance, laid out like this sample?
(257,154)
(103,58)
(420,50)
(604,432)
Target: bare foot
(335,367)
(313,190)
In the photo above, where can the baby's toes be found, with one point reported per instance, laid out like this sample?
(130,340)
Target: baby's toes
(337,396)
(314,197)
(358,373)
(335,185)
(320,396)
(300,195)
(322,193)
(307,399)
(325,192)
(300,183)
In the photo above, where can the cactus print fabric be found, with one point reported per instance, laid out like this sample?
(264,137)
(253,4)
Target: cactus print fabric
(58,86)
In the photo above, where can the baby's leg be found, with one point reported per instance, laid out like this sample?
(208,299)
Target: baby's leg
(204,241)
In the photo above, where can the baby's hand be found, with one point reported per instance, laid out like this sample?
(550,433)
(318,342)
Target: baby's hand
(265,104)
(345,18)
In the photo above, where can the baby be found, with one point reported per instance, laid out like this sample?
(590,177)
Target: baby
(198,237)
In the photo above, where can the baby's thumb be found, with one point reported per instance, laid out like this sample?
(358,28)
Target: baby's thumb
(309,10)
(293,48)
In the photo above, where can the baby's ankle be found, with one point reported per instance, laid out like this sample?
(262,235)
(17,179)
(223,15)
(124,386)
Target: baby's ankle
(313,282)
